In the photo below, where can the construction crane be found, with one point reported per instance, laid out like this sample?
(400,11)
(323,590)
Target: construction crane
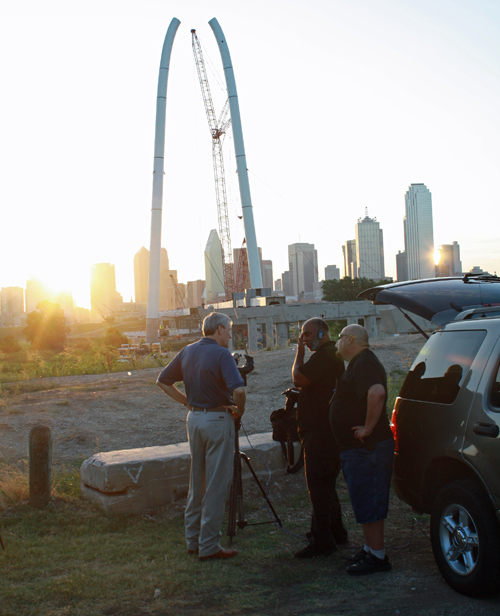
(218,129)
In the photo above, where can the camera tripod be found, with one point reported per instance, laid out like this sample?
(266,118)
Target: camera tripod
(236,515)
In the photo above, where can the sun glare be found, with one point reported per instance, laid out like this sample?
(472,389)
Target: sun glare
(437,257)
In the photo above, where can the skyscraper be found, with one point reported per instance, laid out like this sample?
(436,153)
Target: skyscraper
(303,261)
(401,269)
(449,261)
(214,275)
(141,275)
(350,265)
(195,290)
(141,279)
(369,249)
(267,274)
(419,234)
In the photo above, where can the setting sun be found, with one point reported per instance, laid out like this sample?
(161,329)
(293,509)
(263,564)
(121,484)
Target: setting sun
(437,257)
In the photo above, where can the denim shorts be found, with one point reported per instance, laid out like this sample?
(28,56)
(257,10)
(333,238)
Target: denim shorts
(368,474)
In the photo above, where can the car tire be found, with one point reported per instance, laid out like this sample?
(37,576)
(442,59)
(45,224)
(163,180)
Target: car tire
(465,537)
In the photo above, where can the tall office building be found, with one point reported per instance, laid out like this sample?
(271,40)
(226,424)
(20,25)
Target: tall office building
(267,274)
(419,234)
(167,277)
(369,249)
(214,277)
(103,296)
(401,269)
(449,261)
(286,283)
(332,272)
(195,290)
(350,265)
(303,261)
(141,275)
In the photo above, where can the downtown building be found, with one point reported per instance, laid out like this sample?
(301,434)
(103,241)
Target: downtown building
(449,260)
(419,234)
(303,269)
(369,249)
(168,280)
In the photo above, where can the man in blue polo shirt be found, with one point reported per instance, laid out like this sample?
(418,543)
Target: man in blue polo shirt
(215,396)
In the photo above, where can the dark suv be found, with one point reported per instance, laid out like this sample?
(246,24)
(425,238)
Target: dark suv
(446,422)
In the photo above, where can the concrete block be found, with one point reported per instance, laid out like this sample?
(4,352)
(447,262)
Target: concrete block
(136,480)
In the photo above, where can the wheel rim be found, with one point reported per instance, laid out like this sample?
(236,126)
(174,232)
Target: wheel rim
(459,540)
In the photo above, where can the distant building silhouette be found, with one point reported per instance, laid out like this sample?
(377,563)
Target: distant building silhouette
(449,260)
(214,276)
(369,249)
(286,283)
(303,261)
(350,264)
(401,268)
(419,234)
(267,274)
(195,289)
(332,272)
(141,275)
(141,279)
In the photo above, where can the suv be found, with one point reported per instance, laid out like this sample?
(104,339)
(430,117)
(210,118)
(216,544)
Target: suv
(446,423)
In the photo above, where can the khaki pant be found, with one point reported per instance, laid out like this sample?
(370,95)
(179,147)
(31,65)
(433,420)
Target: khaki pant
(211,441)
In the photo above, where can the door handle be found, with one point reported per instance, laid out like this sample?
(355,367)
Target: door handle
(482,429)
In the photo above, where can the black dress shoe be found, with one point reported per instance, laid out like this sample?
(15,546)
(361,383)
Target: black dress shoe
(313,549)
(222,553)
(192,551)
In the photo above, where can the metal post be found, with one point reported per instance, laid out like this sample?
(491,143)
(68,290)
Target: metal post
(40,463)
(156,208)
(241,163)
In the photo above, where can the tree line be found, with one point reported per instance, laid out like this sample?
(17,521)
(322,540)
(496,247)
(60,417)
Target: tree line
(347,289)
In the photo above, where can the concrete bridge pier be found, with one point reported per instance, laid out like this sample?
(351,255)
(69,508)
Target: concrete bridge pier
(252,335)
(282,335)
(269,340)
(371,326)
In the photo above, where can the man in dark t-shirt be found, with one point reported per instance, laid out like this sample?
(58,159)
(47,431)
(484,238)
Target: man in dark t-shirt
(317,378)
(359,422)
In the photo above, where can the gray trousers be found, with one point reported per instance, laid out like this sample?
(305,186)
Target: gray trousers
(211,441)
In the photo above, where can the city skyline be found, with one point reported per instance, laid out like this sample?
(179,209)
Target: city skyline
(84,196)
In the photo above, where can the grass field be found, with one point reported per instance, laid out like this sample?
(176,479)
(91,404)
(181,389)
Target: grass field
(69,559)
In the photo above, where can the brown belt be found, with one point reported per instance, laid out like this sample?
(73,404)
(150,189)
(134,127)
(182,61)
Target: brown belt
(214,409)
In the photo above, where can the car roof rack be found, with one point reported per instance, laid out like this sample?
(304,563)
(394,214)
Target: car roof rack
(481,278)
(468,314)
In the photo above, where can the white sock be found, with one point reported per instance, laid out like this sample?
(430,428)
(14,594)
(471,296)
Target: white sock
(380,554)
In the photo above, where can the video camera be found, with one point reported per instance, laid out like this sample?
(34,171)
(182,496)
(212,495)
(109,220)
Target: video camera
(285,431)
(247,367)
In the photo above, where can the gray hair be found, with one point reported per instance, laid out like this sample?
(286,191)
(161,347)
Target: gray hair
(212,322)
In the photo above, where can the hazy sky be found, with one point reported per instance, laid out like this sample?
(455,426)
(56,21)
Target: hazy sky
(344,103)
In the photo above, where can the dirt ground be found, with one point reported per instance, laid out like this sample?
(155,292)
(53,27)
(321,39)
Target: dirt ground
(127,410)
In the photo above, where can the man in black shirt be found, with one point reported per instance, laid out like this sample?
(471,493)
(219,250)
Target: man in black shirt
(317,378)
(359,422)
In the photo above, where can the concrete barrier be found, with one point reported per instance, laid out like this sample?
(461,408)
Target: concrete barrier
(137,480)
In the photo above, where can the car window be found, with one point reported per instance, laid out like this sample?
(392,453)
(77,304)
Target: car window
(495,390)
(441,366)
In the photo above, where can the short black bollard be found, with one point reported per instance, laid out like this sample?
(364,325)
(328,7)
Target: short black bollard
(40,466)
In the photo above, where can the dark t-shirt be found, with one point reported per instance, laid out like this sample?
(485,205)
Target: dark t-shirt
(349,403)
(323,369)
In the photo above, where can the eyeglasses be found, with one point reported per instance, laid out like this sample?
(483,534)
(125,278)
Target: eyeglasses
(345,336)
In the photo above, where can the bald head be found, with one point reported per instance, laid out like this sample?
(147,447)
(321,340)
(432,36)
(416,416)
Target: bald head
(352,340)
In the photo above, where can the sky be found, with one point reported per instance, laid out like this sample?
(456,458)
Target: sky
(344,104)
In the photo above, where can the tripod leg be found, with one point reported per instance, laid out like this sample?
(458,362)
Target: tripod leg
(257,481)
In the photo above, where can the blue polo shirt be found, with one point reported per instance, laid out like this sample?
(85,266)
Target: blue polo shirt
(209,373)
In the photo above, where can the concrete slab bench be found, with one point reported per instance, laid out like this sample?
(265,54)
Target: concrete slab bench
(132,481)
